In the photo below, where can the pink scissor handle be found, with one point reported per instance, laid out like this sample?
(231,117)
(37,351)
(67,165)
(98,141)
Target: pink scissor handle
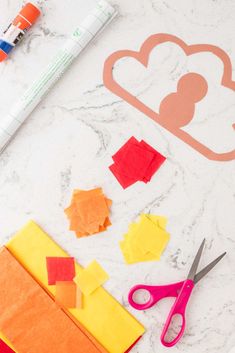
(178,308)
(156,293)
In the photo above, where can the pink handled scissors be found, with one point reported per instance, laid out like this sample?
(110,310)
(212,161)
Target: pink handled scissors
(181,290)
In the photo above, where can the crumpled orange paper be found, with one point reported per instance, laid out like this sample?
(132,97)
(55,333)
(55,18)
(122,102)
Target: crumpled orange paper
(89,212)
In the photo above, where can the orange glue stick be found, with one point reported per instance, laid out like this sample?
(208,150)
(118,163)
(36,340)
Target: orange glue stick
(17,29)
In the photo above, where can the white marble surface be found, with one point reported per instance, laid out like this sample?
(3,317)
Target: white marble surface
(68,141)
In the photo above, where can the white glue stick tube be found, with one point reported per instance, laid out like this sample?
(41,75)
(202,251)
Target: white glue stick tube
(93,24)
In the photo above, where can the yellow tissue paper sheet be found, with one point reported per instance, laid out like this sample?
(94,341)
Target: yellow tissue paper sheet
(91,278)
(145,240)
(101,315)
(98,272)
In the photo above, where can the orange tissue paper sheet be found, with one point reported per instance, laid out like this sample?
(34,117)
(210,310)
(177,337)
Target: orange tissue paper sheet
(107,321)
(30,319)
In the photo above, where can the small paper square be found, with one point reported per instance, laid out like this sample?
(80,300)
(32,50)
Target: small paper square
(86,282)
(60,269)
(66,294)
(98,272)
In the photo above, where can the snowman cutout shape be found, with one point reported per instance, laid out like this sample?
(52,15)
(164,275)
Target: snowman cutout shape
(177,109)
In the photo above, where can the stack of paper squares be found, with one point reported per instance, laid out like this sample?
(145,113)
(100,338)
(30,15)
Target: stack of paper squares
(135,161)
(69,286)
(61,272)
(89,212)
(145,240)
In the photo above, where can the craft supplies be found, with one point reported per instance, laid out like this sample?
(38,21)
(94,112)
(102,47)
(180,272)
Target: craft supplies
(145,240)
(113,327)
(135,161)
(81,37)
(32,321)
(61,272)
(181,291)
(89,212)
(17,29)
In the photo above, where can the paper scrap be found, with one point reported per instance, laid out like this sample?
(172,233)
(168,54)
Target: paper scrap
(89,212)
(135,161)
(32,321)
(98,272)
(101,316)
(60,269)
(145,240)
(79,298)
(4,348)
(91,278)
(66,294)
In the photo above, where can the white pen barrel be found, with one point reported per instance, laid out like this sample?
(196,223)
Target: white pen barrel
(81,37)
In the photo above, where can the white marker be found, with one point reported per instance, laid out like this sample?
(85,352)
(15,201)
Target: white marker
(82,36)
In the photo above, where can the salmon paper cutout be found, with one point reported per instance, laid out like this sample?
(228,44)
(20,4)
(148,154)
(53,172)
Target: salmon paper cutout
(103,319)
(4,348)
(60,269)
(29,317)
(177,109)
(145,240)
(135,161)
(89,212)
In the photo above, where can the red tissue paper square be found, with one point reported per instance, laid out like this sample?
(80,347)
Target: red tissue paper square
(4,348)
(135,161)
(60,269)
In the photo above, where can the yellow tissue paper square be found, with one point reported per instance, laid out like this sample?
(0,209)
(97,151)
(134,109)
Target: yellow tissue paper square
(86,282)
(158,220)
(98,272)
(92,277)
(151,238)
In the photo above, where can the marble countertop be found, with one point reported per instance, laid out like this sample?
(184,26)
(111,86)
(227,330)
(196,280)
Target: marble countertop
(68,142)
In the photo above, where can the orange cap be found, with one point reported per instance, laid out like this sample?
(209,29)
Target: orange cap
(30,12)
(3,55)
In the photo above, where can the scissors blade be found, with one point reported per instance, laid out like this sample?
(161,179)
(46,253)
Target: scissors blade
(193,269)
(206,269)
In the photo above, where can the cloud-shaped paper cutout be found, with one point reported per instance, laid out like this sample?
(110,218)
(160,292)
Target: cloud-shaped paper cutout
(143,57)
